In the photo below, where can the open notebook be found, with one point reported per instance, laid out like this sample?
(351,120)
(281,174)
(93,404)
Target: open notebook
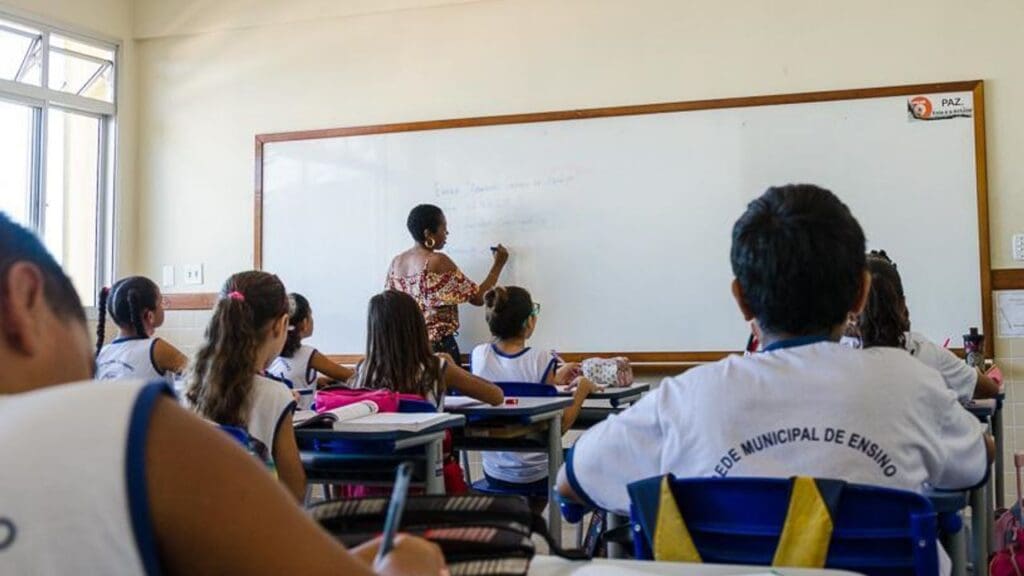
(363,417)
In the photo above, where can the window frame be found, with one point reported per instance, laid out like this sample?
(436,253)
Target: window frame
(42,99)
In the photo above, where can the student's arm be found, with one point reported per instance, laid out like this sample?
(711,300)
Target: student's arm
(986,386)
(455,378)
(963,449)
(622,449)
(287,459)
(334,371)
(215,510)
(561,376)
(168,358)
(584,388)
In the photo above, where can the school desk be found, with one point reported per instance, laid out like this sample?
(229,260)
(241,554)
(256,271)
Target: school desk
(520,425)
(554,566)
(371,457)
(981,499)
(616,395)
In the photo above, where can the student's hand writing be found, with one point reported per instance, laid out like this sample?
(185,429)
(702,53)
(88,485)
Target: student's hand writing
(500,255)
(565,371)
(413,556)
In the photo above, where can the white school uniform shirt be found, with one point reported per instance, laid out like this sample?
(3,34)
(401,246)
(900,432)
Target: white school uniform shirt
(959,377)
(130,357)
(873,416)
(433,395)
(297,371)
(529,365)
(82,508)
(270,402)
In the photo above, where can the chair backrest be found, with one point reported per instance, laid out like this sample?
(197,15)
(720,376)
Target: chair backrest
(875,531)
(526,389)
(240,435)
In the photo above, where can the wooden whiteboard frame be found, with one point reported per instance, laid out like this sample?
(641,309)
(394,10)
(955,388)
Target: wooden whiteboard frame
(977,87)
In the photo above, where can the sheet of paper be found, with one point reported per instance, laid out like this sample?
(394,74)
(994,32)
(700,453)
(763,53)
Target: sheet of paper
(460,402)
(1010,313)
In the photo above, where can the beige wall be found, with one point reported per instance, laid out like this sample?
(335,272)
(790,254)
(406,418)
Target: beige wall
(108,20)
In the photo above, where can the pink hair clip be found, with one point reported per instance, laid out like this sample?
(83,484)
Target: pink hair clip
(236,295)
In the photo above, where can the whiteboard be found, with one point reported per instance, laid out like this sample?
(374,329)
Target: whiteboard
(621,225)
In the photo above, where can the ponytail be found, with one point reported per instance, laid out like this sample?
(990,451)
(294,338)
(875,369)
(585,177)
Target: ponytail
(221,381)
(135,312)
(101,324)
(298,312)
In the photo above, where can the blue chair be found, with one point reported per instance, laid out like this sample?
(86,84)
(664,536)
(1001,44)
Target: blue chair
(876,531)
(239,435)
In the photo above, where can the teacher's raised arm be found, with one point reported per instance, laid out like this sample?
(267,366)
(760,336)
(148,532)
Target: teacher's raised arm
(435,281)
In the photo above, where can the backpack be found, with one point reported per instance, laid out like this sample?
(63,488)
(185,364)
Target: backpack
(1008,536)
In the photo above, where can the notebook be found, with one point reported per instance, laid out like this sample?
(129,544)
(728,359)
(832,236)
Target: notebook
(402,421)
(329,419)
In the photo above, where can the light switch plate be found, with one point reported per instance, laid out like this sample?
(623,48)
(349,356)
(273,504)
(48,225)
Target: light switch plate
(168,276)
(193,274)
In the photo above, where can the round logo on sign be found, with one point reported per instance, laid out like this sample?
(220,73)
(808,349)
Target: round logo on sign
(921,107)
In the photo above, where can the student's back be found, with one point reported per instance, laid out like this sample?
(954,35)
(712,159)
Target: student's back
(804,406)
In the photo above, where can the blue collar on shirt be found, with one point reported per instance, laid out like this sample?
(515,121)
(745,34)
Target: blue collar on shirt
(128,339)
(510,356)
(794,342)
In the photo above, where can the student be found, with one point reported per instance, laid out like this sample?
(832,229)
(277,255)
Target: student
(136,307)
(246,332)
(164,491)
(885,321)
(512,317)
(805,405)
(399,356)
(298,364)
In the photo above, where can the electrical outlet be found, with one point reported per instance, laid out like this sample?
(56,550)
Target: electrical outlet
(168,277)
(1018,247)
(193,274)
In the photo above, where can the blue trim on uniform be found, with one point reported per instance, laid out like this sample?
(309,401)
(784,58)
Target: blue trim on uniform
(127,339)
(135,472)
(286,413)
(509,356)
(574,483)
(794,342)
(152,358)
(549,370)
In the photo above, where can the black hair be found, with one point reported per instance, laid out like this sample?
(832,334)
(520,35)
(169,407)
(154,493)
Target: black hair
(126,302)
(884,321)
(298,312)
(798,256)
(508,309)
(423,217)
(18,244)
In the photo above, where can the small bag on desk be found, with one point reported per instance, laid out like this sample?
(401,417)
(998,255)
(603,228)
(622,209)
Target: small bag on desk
(1008,536)
(479,534)
(608,372)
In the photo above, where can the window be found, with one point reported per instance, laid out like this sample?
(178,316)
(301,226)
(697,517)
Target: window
(57,110)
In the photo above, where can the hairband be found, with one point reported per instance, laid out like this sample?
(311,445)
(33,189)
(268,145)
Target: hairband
(236,295)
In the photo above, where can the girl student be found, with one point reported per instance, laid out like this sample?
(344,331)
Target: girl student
(136,307)
(172,494)
(299,364)
(512,318)
(886,322)
(399,358)
(247,331)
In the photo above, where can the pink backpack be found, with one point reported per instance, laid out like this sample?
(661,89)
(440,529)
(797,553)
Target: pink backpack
(386,400)
(1008,537)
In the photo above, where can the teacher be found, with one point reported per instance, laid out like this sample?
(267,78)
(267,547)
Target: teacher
(434,281)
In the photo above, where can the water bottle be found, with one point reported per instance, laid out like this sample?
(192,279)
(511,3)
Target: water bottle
(974,348)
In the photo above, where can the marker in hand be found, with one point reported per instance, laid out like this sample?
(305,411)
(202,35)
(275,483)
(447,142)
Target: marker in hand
(395,509)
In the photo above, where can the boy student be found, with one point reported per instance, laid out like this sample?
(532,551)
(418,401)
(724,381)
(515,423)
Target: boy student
(133,484)
(806,405)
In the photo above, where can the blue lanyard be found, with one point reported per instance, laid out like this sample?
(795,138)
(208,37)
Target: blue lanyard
(794,342)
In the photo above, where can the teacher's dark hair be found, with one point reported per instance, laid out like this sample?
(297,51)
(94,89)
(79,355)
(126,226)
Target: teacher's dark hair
(17,244)
(423,217)
(798,256)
